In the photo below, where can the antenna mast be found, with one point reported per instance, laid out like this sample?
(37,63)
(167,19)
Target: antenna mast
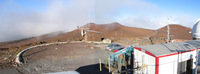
(89,18)
(168,32)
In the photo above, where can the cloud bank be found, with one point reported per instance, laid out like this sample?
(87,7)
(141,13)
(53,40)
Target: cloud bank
(21,20)
(138,13)
(17,21)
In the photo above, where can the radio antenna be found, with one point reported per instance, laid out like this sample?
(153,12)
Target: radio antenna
(168,32)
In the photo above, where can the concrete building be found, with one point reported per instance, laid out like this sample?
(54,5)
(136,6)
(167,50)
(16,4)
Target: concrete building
(169,58)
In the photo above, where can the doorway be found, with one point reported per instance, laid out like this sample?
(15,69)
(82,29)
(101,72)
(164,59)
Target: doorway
(189,66)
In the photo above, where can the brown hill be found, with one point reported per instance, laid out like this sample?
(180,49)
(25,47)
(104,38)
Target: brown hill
(74,35)
(25,41)
(112,30)
(176,32)
(116,30)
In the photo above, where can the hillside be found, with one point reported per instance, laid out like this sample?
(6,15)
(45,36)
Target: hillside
(118,30)
(115,31)
(30,40)
(112,30)
(176,32)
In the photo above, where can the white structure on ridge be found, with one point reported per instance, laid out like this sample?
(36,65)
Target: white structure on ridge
(196,30)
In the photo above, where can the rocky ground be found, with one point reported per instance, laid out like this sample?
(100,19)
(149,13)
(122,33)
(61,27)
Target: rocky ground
(70,56)
(120,34)
(140,41)
(62,57)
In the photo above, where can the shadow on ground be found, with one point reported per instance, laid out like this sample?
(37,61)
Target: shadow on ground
(92,69)
(95,69)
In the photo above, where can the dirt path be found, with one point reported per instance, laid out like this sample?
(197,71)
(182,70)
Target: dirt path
(155,32)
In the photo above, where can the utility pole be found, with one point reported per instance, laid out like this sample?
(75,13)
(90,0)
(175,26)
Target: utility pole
(168,32)
(121,33)
(197,59)
(89,18)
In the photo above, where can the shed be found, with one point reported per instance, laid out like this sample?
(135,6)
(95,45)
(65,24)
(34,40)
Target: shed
(91,35)
(168,58)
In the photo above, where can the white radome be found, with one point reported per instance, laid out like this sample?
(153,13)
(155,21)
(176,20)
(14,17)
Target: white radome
(196,30)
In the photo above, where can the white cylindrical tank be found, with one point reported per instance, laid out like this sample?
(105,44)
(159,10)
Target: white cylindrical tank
(196,30)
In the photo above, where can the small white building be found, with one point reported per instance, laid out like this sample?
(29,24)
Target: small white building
(169,58)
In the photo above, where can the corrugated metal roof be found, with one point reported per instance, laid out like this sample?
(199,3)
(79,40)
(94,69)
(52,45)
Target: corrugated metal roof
(169,48)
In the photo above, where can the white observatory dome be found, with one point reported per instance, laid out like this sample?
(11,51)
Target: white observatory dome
(196,30)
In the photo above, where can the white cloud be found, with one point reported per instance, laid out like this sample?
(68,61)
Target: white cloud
(127,12)
(138,13)
(135,13)
(144,22)
(18,22)
(185,20)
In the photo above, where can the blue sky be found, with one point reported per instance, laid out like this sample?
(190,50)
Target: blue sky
(150,14)
(178,6)
(29,18)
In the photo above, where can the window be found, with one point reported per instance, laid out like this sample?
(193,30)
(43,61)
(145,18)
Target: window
(181,68)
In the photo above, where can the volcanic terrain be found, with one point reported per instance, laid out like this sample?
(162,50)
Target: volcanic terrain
(118,33)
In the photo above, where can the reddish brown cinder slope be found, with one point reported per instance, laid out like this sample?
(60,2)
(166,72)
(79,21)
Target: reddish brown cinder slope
(176,32)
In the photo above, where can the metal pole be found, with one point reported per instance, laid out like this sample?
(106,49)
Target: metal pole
(100,64)
(168,37)
(89,16)
(137,63)
(121,33)
(197,59)
(109,64)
